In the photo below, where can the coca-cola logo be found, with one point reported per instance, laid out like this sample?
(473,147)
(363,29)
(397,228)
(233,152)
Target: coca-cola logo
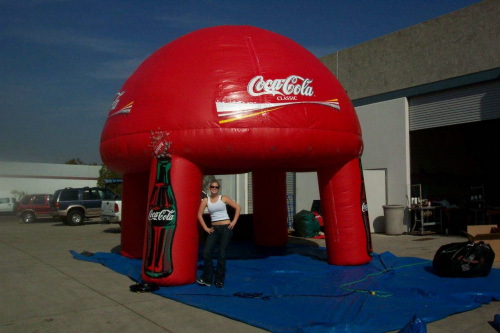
(124,110)
(159,148)
(291,86)
(117,99)
(162,215)
(159,143)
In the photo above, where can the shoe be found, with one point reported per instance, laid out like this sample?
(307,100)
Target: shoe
(219,284)
(201,282)
(144,287)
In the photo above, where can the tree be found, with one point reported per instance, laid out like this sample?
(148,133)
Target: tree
(78,161)
(17,194)
(207,179)
(74,161)
(114,180)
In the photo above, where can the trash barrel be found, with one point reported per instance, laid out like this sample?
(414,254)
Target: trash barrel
(394,216)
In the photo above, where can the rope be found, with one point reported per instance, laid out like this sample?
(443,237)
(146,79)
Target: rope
(377,293)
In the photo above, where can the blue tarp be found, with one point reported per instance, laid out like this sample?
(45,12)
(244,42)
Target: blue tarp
(294,289)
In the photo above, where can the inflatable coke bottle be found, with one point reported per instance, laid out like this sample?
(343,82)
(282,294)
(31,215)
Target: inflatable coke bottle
(162,220)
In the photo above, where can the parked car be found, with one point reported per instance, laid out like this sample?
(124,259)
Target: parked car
(33,207)
(73,205)
(8,205)
(112,211)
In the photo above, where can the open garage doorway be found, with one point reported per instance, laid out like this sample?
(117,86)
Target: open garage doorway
(457,165)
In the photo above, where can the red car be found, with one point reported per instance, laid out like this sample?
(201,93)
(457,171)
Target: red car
(33,207)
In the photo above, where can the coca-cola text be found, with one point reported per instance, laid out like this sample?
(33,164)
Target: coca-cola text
(162,215)
(292,85)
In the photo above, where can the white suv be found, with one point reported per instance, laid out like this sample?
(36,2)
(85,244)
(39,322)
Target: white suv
(7,205)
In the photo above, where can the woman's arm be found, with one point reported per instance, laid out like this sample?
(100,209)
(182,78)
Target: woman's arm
(203,205)
(236,207)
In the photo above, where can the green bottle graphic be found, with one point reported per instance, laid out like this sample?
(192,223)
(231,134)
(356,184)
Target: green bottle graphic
(162,220)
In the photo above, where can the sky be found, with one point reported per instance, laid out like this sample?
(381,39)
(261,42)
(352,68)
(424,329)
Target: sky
(63,61)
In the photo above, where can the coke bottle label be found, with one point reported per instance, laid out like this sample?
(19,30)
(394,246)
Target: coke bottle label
(162,215)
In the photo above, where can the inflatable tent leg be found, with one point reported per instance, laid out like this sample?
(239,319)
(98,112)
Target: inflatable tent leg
(134,199)
(269,208)
(342,194)
(171,245)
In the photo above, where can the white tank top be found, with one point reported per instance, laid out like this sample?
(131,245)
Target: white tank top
(217,210)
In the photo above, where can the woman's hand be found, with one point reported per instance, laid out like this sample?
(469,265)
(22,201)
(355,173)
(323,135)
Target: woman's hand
(237,210)
(209,230)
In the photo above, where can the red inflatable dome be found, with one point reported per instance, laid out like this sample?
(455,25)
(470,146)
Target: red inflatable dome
(234,99)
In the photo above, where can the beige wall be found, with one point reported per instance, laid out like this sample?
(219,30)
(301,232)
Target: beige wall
(33,178)
(386,144)
(463,42)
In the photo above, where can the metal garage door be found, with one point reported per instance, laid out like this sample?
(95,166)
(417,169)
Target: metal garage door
(465,104)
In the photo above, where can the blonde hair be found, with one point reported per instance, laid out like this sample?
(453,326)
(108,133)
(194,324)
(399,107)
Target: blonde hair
(215,181)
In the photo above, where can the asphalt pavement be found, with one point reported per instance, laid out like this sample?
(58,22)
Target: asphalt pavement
(43,289)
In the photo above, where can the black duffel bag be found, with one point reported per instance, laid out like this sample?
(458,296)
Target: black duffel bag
(465,259)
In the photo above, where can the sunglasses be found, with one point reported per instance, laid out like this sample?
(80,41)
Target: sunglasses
(214,186)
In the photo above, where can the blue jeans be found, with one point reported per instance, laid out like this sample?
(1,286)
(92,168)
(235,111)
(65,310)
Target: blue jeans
(219,238)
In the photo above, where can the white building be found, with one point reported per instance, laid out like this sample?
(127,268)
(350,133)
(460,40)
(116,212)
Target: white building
(428,100)
(34,178)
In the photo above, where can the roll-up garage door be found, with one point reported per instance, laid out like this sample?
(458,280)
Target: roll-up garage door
(465,104)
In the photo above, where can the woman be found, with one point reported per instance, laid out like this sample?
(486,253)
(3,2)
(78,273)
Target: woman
(219,234)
